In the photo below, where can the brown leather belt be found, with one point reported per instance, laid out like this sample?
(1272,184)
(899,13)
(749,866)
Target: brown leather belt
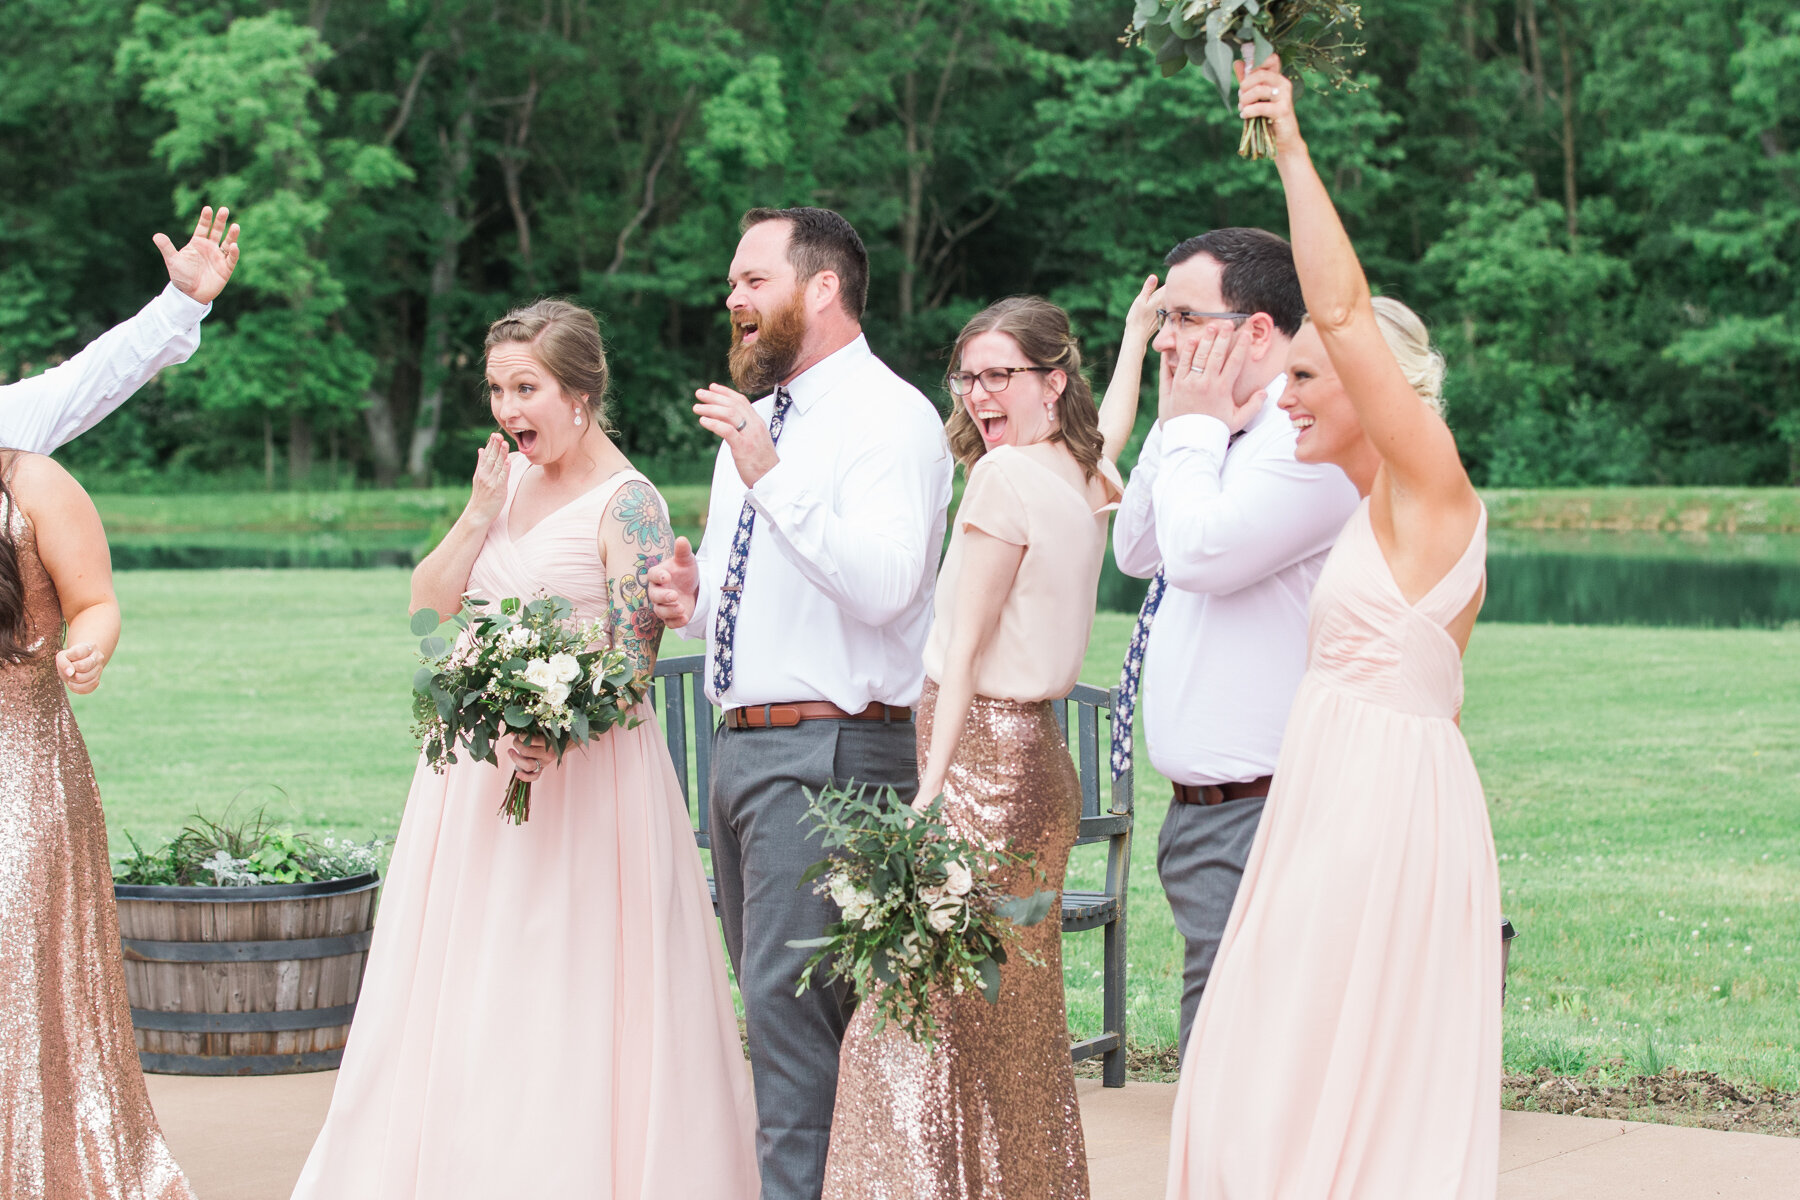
(1218,793)
(783,716)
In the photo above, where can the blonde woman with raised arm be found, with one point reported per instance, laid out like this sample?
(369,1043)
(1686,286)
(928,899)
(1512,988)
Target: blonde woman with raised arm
(1348,1044)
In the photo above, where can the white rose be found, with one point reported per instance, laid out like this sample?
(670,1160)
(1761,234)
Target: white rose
(566,668)
(941,918)
(843,892)
(959,880)
(931,895)
(539,674)
(556,693)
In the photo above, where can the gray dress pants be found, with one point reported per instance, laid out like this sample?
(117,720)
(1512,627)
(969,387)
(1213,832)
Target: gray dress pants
(1200,857)
(760,847)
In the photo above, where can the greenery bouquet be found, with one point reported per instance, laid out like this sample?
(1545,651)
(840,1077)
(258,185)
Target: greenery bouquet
(919,909)
(528,669)
(1312,35)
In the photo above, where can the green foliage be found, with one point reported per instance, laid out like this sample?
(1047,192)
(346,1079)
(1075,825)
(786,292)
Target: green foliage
(243,853)
(924,916)
(1600,226)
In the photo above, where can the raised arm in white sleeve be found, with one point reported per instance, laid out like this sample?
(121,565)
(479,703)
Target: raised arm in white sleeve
(49,410)
(1134,526)
(865,543)
(1275,513)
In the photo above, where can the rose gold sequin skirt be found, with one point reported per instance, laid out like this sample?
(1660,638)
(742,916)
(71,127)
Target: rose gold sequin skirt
(990,1112)
(75,1118)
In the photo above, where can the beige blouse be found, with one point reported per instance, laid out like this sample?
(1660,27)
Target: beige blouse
(1035,652)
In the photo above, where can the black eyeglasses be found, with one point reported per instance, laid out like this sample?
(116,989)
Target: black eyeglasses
(994,379)
(1185,317)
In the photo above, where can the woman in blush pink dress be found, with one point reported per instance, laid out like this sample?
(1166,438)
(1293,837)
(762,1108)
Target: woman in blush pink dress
(1348,1045)
(546,1012)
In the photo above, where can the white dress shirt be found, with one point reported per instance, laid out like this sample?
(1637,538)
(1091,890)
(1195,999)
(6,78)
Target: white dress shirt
(849,526)
(1243,536)
(48,410)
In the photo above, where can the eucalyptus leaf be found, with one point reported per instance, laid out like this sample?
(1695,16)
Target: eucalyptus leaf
(1219,56)
(422,680)
(810,943)
(433,647)
(517,717)
(990,979)
(1143,11)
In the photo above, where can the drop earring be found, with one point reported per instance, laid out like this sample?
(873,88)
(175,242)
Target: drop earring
(578,418)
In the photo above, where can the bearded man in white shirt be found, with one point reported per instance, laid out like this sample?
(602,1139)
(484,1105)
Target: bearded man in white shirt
(53,408)
(1232,533)
(813,591)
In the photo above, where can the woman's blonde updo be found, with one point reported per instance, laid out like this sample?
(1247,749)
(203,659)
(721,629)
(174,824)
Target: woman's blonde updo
(1406,336)
(1042,331)
(566,339)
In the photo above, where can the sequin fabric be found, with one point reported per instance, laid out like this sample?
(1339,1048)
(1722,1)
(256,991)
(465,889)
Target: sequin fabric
(990,1112)
(75,1119)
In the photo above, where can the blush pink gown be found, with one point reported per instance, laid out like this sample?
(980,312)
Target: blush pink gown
(1348,1046)
(546,1011)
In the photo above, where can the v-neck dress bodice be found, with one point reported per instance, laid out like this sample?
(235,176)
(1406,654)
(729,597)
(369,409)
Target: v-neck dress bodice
(557,556)
(1348,1043)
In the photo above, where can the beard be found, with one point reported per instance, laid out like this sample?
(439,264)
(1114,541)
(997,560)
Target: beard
(758,367)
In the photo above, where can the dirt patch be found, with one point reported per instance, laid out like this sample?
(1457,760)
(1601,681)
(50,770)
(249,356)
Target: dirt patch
(1697,1098)
(1143,1064)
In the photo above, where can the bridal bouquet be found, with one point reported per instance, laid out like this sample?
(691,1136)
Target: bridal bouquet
(1310,35)
(919,909)
(528,669)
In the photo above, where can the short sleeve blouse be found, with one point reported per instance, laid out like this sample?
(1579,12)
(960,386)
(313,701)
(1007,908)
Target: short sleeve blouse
(1037,648)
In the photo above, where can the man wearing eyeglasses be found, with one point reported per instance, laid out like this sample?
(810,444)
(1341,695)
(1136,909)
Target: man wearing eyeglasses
(1232,533)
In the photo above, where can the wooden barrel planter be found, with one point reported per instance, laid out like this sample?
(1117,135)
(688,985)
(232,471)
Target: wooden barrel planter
(245,980)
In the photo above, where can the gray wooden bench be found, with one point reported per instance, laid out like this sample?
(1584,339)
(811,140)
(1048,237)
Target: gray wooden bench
(688,721)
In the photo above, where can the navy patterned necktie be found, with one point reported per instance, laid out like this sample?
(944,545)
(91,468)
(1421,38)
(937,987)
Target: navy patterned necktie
(731,595)
(1132,674)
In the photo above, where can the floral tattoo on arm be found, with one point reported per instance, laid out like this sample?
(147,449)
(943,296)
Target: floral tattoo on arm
(646,535)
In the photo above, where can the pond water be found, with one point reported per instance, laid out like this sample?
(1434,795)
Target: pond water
(1559,577)
(1601,578)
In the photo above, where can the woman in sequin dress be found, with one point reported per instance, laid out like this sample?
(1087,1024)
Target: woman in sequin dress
(75,1114)
(990,1112)
(1348,1044)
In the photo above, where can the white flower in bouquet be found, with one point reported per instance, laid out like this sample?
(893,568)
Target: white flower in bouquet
(943,915)
(557,694)
(959,879)
(538,673)
(931,895)
(516,638)
(566,669)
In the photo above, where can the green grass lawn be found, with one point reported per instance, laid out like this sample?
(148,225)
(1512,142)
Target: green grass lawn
(1644,786)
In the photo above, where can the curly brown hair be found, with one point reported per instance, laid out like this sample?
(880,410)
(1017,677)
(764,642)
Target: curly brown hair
(1042,331)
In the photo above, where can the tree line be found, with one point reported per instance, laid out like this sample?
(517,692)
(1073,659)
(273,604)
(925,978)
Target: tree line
(1596,204)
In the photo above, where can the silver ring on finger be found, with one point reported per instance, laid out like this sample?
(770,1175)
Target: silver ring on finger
(742,421)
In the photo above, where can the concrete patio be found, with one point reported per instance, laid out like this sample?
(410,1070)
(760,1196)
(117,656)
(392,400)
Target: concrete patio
(245,1139)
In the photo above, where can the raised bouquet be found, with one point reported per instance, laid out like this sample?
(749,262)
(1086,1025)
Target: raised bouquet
(920,910)
(1309,35)
(528,669)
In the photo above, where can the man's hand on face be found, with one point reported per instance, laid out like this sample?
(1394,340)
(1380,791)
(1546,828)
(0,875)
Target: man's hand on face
(730,416)
(203,267)
(1203,378)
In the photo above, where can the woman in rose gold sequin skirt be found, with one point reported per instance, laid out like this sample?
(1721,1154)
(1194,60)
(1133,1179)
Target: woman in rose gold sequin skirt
(76,1116)
(989,1113)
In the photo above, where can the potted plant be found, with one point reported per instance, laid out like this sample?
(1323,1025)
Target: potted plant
(244,946)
